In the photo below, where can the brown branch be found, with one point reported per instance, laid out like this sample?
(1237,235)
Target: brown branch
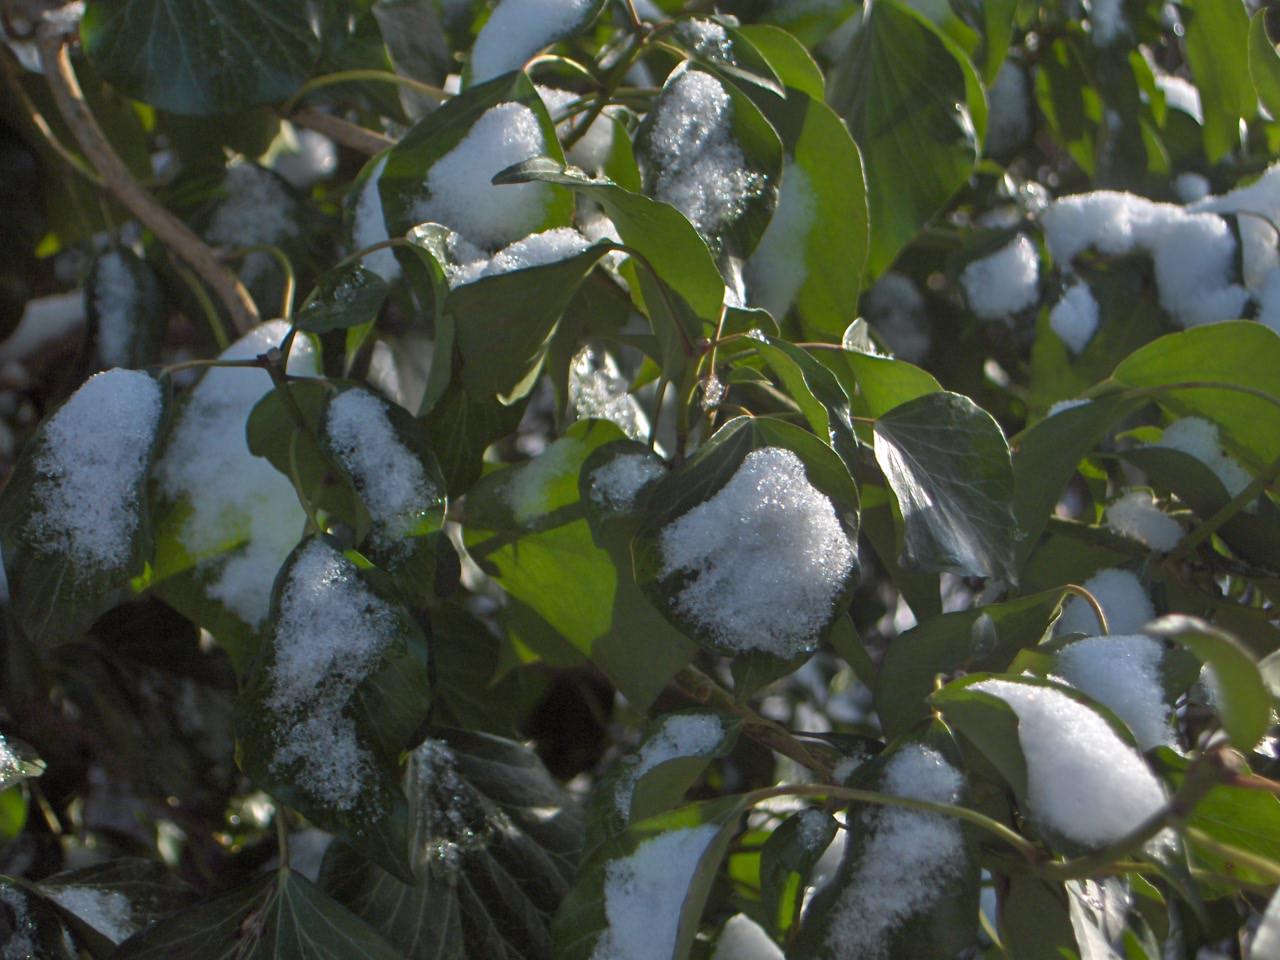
(172,232)
(341,131)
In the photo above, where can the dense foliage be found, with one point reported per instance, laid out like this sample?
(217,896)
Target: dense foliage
(625,480)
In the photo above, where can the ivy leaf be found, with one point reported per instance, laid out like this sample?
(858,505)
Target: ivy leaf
(820,396)
(108,902)
(494,839)
(1226,89)
(344,298)
(1264,64)
(201,58)
(948,465)
(787,57)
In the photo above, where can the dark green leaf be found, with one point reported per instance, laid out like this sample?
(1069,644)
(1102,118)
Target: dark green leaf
(948,465)
(107,902)
(1264,64)
(461,429)
(201,57)
(821,398)
(344,298)
(1034,921)
(1226,89)
(788,857)
(787,56)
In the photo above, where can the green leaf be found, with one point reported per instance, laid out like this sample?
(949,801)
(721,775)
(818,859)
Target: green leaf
(984,639)
(528,528)
(201,58)
(461,428)
(494,844)
(878,384)
(470,692)
(738,60)
(787,56)
(123,896)
(344,298)
(18,762)
(948,465)
(1237,353)
(126,310)
(284,915)
(1070,103)
(328,742)
(821,398)
(1243,702)
(916,109)
(1034,922)
(788,857)
(1226,88)
(1264,64)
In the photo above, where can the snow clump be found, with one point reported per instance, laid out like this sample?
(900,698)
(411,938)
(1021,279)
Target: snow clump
(1123,599)
(331,633)
(1123,674)
(460,188)
(1135,515)
(617,484)
(517,29)
(535,250)
(765,558)
(1193,253)
(909,858)
(701,170)
(896,308)
(644,894)
(1005,282)
(744,939)
(115,300)
(370,226)
(234,496)
(1191,187)
(1180,95)
(1258,207)
(89,467)
(707,38)
(257,209)
(1083,781)
(681,735)
(776,271)
(107,911)
(598,389)
(388,476)
(1269,301)
(1009,118)
(1199,438)
(1074,318)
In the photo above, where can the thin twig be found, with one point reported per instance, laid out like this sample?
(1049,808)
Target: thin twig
(37,120)
(171,231)
(358,138)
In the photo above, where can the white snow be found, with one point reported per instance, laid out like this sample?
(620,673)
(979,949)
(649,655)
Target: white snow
(388,476)
(306,157)
(115,300)
(617,484)
(1123,674)
(370,226)
(9,761)
(535,250)
(1005,282)
(331,634)
(442,830)
(1135,515)
(107,911)
(744,939)
(776,270)
(645,892)
(1009,117)
(1200,439)
(681,735)
(461,194)
(598,389)
(1269,301)
(591,151)
(1180,95)
(1193,253)
(1258,207)
(234,496)
(256,209)
(1074,318)
(908,857)
(21,943)
(896,308)
(45,320)
(1191,187)
(517,29)
(766,557)
(1123,598)
(1083,781)
(701,170)
(1064,405)
(535,483)
(1107,19)
(89,468)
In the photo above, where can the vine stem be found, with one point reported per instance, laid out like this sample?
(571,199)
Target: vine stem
(356,76)
(1228,510)
(358,138)
(37,120)
(172,232)
(1085,594)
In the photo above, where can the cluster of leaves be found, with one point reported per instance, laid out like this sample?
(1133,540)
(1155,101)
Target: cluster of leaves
(141,764)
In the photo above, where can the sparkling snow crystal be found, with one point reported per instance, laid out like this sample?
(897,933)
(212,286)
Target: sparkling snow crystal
(234,496)
(766,557)
(1004,282)
(517,29)
(701,171)
(776,270)
(1136,515)
(908,857)
(331,633)
(1123,598)
(1200,439)
(388,476)
(644,894)
(462,195)
(1083,781)
(1123,674)
(88,469)
(598,389)
(115,300)
(617,484)
(682,735)
(107,911)
(1074,318)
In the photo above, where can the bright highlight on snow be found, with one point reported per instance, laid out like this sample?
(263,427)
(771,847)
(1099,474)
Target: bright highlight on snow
(90,466)
(765,558)
(908,857)
(388,476)
(517,29)
(1123,674)
(1083,781)
(644,894)
(460,191)
(700,169)
(235,497)
(681,735)
(115,300)
(1135,515)
(1005,282)
(331,634)
(776,271)
(1200,439)
(617,484)
(1123,599)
